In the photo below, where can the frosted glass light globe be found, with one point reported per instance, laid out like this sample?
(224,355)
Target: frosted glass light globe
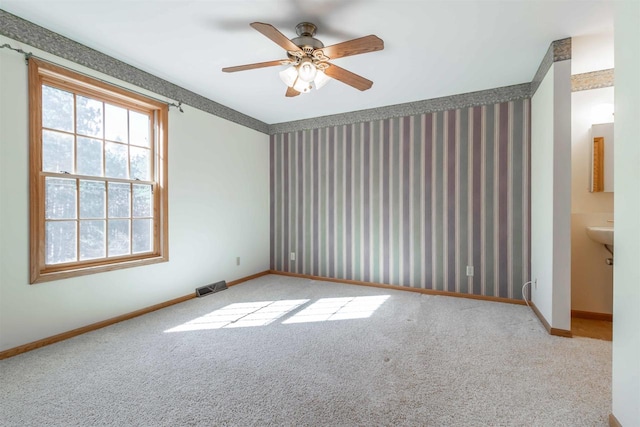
(307,70)
(289,76)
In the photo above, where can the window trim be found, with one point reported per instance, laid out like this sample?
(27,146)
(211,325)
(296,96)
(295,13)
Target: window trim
(42,72)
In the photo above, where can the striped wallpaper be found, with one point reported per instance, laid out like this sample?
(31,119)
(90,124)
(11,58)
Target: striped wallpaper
(409,201)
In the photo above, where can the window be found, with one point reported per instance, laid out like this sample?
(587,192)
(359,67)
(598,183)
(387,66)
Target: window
(98,178)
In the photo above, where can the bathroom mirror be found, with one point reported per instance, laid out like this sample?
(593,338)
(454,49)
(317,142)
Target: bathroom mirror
(602,157)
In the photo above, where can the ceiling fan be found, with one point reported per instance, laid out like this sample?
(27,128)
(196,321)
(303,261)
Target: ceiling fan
(309,59)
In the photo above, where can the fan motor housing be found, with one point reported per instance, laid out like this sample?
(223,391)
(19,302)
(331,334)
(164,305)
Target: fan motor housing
(305,39)
(307,42)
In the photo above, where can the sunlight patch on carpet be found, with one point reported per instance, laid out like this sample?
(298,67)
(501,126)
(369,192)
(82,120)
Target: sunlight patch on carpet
(339,309)
(241,315)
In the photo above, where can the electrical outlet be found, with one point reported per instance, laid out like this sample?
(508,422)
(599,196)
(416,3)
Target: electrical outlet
(238,261)
(470,270)
(292,257)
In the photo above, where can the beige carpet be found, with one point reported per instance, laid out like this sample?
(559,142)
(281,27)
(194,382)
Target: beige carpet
(292,352)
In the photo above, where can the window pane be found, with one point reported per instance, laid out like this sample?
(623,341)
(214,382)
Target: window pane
(116,160)
(142,233)
(92,199)
(57,152)
(139,129)
(119,200)
(140,158)
(89,116)
(98,152)
(60,242)
(92,239)
(142,200)
(115,123)
(60,198)
(57,109)
(119,237)
(89,153)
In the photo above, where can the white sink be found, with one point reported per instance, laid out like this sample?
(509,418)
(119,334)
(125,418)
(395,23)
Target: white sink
(601,234)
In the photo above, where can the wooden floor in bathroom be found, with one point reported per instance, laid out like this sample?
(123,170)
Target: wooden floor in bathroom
(590,328)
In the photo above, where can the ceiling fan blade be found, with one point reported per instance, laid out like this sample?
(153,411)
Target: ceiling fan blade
(253,66)
(275,35)
(354,47)
(347,77)
(291,92)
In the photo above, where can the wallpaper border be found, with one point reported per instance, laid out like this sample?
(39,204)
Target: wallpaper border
(592,80)
(472,99)
(559,50)
(39,37)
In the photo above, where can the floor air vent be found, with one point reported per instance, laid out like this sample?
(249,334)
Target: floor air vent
(211,289)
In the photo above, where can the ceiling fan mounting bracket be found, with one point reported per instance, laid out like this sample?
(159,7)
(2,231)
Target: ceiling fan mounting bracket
(306,40)
(306,29)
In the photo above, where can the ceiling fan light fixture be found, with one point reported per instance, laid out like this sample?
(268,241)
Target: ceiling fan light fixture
(307,70)
(289,76)
(302,86)
(310,58)
(321,80)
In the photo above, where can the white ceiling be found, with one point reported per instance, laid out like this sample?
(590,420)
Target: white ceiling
(432,48)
